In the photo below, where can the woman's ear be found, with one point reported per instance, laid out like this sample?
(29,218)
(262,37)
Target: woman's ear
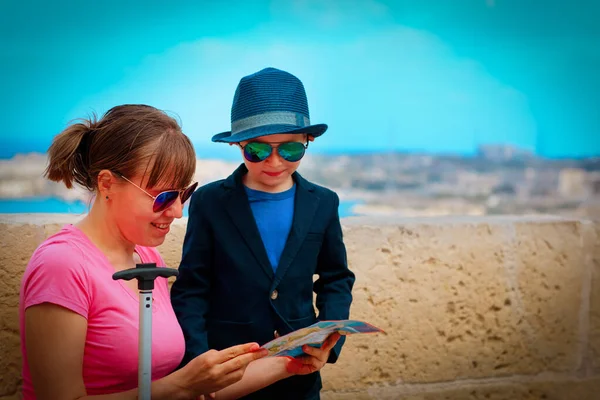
(106,179)
(311,138)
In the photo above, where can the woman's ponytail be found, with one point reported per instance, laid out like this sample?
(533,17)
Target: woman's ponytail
(68,156)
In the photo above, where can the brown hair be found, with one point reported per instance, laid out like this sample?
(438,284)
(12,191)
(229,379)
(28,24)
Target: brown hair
(124,139)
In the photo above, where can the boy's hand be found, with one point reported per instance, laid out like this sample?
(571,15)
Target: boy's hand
(316,358)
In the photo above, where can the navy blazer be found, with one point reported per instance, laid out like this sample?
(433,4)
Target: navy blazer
(227,293)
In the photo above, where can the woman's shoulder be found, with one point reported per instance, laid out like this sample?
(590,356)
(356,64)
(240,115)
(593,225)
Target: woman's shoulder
(61,271)
(58,269)
(65,245)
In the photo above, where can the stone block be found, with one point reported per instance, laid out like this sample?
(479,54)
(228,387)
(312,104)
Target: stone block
(447,306)
(593,252)
(560,389)
(550,272)
(15,396)
(17,245)
(461,300)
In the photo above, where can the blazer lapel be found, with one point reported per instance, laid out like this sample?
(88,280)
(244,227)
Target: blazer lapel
(240,212)
(305,206)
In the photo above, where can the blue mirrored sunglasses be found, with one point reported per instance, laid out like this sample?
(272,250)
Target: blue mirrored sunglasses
(166,199)
(259,151)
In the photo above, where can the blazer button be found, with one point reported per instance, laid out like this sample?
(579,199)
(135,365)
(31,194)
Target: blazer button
(274,295)
(276,334)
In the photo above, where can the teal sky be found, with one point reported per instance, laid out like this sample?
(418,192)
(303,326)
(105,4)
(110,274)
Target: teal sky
(437,76)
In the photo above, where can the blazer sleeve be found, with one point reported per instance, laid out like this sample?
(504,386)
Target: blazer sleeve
(191,289)
(334,285)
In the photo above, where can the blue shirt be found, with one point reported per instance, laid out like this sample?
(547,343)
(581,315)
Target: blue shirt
(273,213)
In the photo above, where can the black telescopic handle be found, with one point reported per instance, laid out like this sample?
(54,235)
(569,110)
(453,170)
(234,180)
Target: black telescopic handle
(145,273)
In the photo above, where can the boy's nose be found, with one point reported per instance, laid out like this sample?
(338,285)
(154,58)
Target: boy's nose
(274,158)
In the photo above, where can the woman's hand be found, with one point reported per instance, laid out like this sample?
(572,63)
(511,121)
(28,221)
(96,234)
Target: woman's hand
(315,359)
(214,370)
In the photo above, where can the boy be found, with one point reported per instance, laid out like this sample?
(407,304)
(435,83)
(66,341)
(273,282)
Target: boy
(255,239)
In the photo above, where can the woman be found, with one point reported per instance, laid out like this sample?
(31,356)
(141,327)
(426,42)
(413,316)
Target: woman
(79,327)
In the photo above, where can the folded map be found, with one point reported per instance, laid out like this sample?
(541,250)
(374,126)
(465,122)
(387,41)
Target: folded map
(291,344)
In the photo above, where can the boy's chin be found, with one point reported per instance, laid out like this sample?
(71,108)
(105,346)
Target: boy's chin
(275,180)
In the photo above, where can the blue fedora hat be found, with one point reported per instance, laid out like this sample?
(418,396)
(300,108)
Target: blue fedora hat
(268,102)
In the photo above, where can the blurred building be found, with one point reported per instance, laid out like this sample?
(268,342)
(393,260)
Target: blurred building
(502,152)
(572,182)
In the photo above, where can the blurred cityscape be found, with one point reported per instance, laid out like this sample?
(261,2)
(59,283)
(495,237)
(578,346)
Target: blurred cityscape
(498,179)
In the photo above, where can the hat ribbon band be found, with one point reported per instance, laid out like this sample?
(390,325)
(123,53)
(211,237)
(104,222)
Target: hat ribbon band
(269,118)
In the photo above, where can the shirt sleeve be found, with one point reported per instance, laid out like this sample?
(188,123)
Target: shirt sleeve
(57,275)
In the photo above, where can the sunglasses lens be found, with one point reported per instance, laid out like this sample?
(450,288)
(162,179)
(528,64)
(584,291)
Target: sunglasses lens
(257,152)
(292,151)
(188,193)
(165,200)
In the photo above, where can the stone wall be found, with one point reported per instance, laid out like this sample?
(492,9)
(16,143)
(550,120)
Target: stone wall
(473,308)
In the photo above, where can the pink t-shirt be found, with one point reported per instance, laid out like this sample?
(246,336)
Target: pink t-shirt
(70,271)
